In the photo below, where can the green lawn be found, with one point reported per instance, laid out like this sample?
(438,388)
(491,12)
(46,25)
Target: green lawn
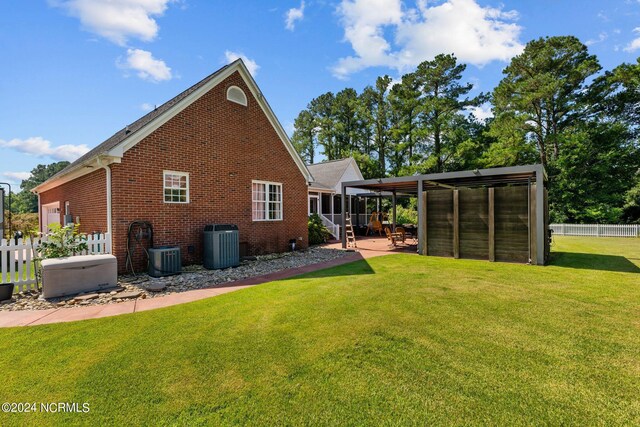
(395,340)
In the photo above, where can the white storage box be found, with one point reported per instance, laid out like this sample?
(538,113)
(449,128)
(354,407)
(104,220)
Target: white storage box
(82,273)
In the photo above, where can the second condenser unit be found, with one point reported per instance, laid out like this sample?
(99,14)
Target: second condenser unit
(221,246)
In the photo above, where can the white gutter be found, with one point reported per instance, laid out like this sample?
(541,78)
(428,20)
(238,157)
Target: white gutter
(108,176)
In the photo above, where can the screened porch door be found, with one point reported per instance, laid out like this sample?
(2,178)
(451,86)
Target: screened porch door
(313,205)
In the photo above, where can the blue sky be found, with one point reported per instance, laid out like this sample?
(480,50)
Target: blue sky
(75,71)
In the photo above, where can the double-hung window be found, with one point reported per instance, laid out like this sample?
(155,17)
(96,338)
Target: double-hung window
(266,201)
(176,187)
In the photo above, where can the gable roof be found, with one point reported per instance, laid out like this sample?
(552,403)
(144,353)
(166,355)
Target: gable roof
(328,174)
(112,149)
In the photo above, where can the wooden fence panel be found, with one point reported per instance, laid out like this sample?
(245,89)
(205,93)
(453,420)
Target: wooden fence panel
(511,224)
(440,223)
(474,223)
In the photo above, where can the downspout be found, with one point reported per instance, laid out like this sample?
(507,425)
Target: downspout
(39,214)
(108,176)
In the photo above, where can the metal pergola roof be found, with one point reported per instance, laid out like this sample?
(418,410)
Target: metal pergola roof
(416,185)
(408,185)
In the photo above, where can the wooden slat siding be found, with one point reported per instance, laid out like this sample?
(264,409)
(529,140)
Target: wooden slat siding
(492,229)
(532,232)
(473,216)
(3,261)
(511,224)
(440,223)
(456,224)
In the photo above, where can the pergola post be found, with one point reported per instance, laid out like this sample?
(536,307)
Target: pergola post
(422,219)
(540,230)
(343,203)
(393,217)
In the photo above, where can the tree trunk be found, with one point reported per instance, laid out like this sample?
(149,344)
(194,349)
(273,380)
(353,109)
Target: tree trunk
(437,149)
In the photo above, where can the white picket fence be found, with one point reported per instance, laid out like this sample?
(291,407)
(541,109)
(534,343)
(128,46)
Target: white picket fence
(596,230)
(16,258)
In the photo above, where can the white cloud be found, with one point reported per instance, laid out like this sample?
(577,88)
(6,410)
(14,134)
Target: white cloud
(601,37)
(117,20)
(16,177)
(147,67)
(475,34)
(293,15)
(40,147)
(251,65)
(121,20)
(635,43)
(145,106)
(481,112)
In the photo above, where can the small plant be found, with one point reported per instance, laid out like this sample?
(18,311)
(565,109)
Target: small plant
(63,241)
(318,233)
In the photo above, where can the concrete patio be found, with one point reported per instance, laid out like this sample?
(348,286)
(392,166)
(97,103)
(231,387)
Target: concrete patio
(378,245)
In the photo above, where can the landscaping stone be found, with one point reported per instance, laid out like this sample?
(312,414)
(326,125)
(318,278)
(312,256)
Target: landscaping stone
(86,297)
(110,290)
(156,287)
(128,295)
(192,277)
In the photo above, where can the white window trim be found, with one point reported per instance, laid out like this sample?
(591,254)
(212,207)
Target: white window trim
(242,102)
(186,174)
(266,201)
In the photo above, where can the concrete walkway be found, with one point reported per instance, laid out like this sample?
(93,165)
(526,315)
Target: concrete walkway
(56,315)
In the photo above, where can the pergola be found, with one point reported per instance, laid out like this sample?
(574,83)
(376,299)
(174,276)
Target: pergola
(490,179)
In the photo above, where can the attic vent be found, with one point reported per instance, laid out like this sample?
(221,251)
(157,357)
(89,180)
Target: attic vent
(235,94)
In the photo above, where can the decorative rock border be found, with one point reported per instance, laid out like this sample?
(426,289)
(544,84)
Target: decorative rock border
(192,278)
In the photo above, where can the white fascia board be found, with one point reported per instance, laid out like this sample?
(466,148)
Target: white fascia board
(321,190)
(91,165)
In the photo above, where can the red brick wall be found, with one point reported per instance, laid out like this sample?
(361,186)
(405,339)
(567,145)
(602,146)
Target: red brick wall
(223,146)
(87,199)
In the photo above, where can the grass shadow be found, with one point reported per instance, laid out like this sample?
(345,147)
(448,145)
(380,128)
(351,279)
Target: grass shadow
(593,262)
(358,267)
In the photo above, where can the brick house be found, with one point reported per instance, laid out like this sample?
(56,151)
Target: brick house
(215,153)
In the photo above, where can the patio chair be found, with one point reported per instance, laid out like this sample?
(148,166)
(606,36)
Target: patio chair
(374,224)
(393,237)
(402,232)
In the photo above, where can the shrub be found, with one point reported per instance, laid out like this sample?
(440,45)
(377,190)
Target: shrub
(24,222)
(318,233)
(406,215)
(63,241)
